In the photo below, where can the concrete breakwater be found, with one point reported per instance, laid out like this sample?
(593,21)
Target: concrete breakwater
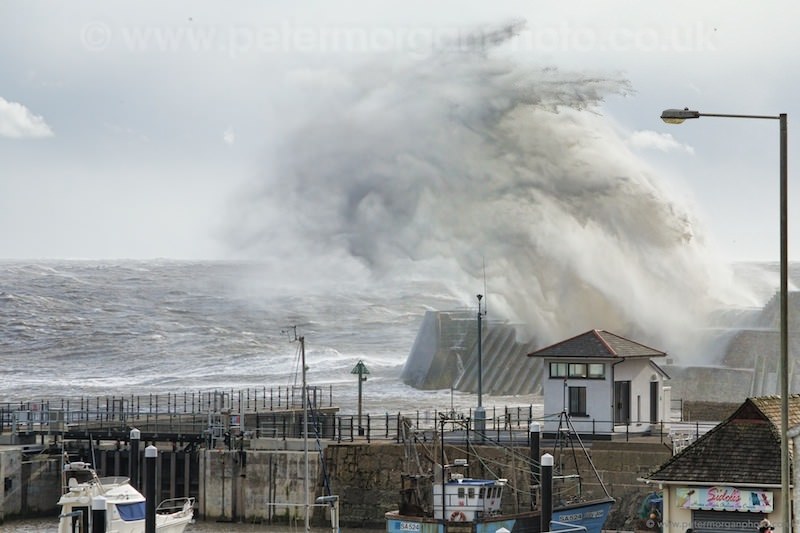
(263,481)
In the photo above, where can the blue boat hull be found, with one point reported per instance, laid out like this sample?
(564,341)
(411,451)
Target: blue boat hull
(591,515)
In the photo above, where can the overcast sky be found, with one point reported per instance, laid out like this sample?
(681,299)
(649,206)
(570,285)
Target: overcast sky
(127,130)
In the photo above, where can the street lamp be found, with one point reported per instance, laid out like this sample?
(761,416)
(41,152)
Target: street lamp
(677,116)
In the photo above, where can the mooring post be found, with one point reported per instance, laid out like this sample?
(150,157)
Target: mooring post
(547,492)
(99,514)
(134,458)
(150,455)
(535,435)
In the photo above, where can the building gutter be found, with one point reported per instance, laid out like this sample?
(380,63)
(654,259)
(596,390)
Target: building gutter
(707,483)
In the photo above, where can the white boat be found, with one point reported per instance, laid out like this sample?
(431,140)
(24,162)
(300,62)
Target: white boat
(124,506)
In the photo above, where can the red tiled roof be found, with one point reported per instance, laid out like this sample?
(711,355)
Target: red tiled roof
(598,344)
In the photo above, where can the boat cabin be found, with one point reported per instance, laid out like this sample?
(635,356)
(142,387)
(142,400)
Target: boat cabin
(466,499)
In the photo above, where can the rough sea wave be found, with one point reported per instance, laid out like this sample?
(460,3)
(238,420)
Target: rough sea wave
(91,328)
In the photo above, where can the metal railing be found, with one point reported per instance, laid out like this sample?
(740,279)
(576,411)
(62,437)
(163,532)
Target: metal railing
(276,413)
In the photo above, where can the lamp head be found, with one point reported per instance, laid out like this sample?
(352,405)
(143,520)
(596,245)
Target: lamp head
(677,116)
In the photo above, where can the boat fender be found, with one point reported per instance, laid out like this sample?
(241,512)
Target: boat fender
(458,516)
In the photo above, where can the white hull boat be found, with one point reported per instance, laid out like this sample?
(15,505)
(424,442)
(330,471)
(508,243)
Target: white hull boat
(123,505)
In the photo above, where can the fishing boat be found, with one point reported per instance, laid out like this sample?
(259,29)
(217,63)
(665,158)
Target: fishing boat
(122,506)
(454,503)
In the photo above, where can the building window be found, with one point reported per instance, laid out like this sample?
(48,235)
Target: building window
(597,371)
(577,401)
(558,370)
(577,370)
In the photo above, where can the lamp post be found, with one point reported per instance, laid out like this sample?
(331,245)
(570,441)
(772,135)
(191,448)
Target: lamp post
(677,116)
(480,414)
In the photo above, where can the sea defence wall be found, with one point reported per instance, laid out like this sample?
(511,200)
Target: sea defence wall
(445,355)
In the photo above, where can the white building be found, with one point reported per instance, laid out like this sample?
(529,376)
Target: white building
(605,383)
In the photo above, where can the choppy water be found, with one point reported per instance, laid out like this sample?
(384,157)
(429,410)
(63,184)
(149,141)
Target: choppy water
(70,329)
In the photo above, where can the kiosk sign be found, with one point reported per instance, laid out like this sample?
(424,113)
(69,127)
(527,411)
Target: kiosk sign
(723,498)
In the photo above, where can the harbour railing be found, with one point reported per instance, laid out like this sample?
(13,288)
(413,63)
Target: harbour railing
(241,400)
(225,418)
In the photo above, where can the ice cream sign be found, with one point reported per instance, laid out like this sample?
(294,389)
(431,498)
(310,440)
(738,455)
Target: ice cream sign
(725,499)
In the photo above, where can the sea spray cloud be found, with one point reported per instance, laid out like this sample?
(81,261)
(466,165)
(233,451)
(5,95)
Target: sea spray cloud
(472,161)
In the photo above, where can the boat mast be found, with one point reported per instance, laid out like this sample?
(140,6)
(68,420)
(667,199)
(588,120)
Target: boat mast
(305,430)
(302,340)
(480,413)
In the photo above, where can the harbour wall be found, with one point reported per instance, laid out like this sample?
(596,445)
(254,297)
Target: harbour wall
(368,477)
(29,483)
(264,482)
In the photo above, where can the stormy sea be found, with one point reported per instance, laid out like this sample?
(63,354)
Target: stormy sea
(403,184)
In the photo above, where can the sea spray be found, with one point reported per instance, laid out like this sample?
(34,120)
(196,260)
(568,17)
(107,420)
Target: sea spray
(475,167)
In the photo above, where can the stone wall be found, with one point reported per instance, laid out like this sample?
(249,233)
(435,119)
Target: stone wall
(368,477)
(620,465)
(365,476)
(29,486)
(257,485)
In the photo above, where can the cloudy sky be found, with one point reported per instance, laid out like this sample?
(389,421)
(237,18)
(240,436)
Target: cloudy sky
(130,130)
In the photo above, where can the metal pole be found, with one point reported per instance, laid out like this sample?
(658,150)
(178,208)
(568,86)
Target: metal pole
(480,354)
(360,381)
(480,414)
(785,467)
(305,433)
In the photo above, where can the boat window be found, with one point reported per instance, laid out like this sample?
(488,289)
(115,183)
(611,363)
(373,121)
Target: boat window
(131,511)
(470,493)
(460,493)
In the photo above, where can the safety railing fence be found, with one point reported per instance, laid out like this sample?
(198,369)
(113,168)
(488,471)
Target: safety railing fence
(217,415)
